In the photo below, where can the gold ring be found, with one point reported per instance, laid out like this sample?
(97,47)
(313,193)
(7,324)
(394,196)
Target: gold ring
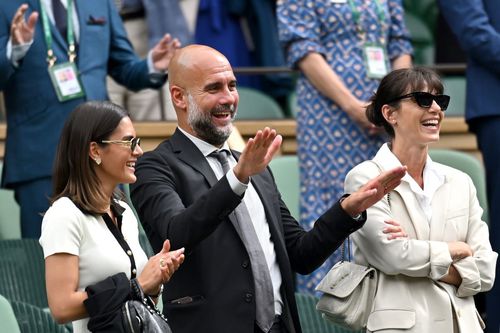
(162,262)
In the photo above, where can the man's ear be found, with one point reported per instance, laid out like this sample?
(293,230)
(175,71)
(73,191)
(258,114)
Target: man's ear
(179,98)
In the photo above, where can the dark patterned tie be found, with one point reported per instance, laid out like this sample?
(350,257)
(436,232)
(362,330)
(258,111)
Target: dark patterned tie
(60,17)
(264,297)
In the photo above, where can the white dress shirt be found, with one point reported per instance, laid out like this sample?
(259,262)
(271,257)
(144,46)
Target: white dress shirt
(432,177)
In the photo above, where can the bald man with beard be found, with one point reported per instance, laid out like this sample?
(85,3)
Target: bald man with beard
(184,194)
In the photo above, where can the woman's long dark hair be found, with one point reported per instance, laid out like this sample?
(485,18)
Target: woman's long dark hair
(74,173)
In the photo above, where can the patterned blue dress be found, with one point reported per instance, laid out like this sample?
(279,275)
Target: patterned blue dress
(329,142)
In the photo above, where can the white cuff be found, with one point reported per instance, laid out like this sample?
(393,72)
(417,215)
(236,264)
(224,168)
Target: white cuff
(17,52)
(151,66)
(238,187)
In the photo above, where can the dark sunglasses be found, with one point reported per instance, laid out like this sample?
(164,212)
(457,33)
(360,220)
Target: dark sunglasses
(424,99)
(132,143)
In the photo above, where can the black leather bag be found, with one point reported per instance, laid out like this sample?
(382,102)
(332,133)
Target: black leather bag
(119,305)
(140,314)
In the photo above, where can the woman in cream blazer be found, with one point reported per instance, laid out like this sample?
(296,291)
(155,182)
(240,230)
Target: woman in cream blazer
(429,273)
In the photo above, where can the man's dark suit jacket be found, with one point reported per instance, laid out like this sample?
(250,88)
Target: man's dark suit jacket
(178,197)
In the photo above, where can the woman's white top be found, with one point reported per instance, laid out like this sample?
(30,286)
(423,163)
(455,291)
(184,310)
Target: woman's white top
(66,229)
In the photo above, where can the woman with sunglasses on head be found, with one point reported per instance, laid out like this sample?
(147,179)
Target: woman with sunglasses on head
(441,258)
(90,238)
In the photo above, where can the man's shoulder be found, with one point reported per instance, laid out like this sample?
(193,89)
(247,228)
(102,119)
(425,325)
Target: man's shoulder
(163,151)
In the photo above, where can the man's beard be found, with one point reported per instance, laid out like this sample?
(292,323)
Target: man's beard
(201,123)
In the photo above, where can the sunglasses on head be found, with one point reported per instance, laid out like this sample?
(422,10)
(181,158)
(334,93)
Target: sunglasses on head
(132,143)
(424,99)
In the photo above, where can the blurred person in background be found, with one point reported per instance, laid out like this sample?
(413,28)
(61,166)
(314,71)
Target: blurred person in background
(146,22)
(342,48)
(476,25)
(54,55)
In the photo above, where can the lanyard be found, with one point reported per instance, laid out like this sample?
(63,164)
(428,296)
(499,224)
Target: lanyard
(51,58)
(356,15)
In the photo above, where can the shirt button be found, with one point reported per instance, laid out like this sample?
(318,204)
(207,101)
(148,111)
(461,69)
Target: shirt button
(134,271)
(129,253)
(245,264)
(248,297)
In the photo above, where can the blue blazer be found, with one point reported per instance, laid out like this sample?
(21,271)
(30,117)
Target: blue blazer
(34,115)
(476,23)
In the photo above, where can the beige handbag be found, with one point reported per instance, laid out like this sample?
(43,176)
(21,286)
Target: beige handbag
(348,293)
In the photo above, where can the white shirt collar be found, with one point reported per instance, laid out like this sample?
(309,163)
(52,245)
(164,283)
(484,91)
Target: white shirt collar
(433,178)
(205,147)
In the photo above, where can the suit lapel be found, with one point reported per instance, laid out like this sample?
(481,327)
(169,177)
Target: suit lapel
(417,216)
(83,11)
(58,41)
(192,156)
(440,203)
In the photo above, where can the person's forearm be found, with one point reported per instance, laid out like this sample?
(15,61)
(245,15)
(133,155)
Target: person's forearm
(326,81)
(453,277)
(403,61)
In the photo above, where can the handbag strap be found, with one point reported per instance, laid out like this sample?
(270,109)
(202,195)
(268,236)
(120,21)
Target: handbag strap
(342,249)
(388,193)
(348,239)
(139,295)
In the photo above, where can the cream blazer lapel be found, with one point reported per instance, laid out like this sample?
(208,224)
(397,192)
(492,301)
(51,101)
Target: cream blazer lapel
(417,218)
(440,203)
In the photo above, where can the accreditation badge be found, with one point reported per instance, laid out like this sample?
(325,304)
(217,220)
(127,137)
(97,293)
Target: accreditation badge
(376,61)
(66,82)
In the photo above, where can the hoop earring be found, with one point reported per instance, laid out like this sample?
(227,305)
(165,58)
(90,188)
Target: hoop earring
(97,160)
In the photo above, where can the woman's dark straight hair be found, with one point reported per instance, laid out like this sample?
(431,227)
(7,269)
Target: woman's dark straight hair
(398,83)
(74,174)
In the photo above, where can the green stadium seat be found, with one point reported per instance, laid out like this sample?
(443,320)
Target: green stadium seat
(422,39)
(455,86)
(10,218)
(7,317)
(286,174)
(425,10)
(468,164)
(254,105)
(22,271)
(32,319)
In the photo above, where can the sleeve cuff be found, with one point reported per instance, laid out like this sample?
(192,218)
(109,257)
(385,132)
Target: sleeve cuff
(440,259)
(17,52)
(471,280)
(299,49)
(151,66)
(238,187)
